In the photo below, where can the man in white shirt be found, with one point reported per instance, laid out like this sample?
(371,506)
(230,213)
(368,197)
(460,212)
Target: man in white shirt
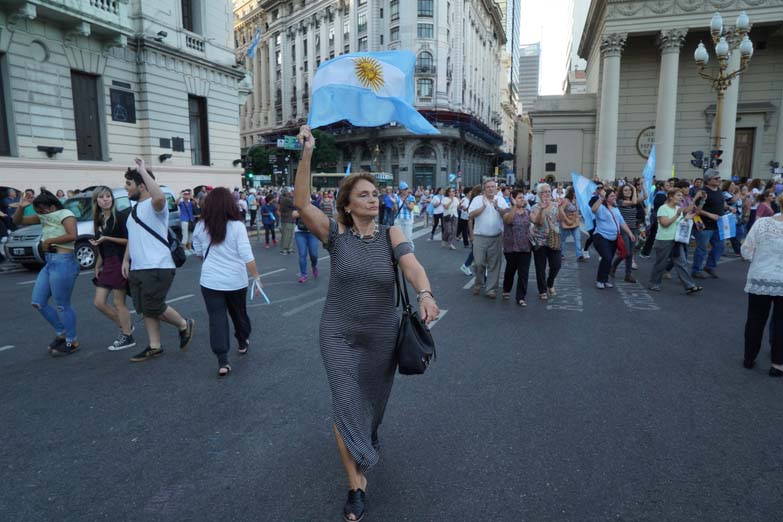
(148,265)
(487,212)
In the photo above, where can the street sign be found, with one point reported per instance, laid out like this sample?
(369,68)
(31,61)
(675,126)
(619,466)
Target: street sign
(288,143)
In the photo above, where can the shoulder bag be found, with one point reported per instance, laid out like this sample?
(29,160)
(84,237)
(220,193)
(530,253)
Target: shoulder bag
(622,251)
(415,347)
(173,244)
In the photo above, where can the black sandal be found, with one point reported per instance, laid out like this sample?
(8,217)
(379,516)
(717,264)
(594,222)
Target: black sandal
(354,506)
(694,289)
(226,367)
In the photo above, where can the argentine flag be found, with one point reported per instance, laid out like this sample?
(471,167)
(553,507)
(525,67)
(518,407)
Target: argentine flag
(584,189)
(648,174)
(368,90)
(251,50)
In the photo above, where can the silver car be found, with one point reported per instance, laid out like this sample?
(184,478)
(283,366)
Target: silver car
(23,243)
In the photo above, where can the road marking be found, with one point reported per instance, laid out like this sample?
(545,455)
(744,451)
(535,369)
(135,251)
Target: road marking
(7,347)
(470,284)
(182,298)
(303,307)
(273,272)
(27,282)
(322,258)
(441,316)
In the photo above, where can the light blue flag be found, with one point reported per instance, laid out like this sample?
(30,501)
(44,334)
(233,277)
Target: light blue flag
(584,190)
(348,169)
(649,173)
(727,226)
(368,90)
(251,51)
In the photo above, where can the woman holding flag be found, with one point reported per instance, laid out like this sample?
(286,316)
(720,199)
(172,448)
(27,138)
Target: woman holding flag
(360,320)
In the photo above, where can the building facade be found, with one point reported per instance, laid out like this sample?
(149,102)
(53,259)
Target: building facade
(529,74)
(85,87)
(458,75)
(648,91)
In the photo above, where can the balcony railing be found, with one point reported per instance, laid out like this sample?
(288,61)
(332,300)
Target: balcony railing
(113,13)
(425,69)
(195,43)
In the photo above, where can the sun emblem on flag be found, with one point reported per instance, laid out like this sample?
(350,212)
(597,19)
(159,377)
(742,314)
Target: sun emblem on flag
(369,72)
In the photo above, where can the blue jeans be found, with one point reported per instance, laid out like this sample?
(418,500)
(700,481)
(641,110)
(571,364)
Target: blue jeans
(56,280)
(306,243)
(574,233)
(718,246)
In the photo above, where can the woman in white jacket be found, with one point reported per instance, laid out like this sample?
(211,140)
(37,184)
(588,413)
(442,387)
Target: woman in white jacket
(221,240)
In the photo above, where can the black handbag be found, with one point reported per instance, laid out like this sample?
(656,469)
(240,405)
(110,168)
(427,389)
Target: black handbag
(173,244)
(415,347)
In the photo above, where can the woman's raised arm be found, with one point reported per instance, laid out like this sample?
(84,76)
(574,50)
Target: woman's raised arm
(314,219)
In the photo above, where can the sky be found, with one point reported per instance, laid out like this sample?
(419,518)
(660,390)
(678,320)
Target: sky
(548,22)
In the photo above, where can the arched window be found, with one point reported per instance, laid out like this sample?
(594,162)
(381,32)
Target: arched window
(425,62)
(424,152)
(424,88)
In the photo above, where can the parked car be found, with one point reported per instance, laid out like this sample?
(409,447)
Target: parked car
(22,244)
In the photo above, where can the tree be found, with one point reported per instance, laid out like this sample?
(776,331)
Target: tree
(259,160)
(325,153)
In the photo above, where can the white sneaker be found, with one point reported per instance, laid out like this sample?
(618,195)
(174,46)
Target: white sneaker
(608,285)
(587,254)
(600,285)
(465,270)
(452,247)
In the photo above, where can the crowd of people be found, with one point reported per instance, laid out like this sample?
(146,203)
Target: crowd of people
(361,225)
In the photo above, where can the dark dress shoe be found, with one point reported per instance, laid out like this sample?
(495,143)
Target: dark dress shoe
(774,372)
(712,273)
(749,364)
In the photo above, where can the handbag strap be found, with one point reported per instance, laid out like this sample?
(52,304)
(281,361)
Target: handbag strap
(147,228)
(207,252)
(402,288)
(614,219)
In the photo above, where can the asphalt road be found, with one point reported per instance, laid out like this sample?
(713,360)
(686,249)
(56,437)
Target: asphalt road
(621,405)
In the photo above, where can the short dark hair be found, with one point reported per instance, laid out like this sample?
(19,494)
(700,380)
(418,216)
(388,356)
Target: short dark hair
(46,199)
(135,176)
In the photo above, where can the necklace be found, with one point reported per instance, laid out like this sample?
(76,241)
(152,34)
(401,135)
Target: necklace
(366,237)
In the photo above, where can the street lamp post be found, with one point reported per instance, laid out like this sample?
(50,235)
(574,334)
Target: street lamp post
(721,82)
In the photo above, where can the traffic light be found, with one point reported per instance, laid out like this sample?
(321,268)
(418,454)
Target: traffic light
(715,158)
(698,159)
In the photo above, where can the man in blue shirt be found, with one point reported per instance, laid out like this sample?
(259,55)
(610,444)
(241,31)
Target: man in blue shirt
(186,217)
(403,210)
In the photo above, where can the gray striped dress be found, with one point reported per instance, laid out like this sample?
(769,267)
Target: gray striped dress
(357,337)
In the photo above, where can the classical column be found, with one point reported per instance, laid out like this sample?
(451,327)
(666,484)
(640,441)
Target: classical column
(299,78)
(670,43)
(353,21)
(779,138)
(257,80)
(338,32)
(728,125)
(263,82)
(310,57)
(611,50)
(285,71)
(271,85)
(324,37)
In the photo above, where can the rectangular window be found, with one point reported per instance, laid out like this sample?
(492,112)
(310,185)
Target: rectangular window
(363,44)
(394,10)
(277,39)
(187,15)
(278,57)
(346,30)
(550,149)
(425,8)
(199,135)
(425,31)
(381,39)
(424,88)
(86,116)
(550,167)
(5,142)
(381,13)
(362,25)
(331,37)
(394,34)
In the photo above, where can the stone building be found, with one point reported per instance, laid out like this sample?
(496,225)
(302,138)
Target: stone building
(87,86)
(643,87)
(459,47)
